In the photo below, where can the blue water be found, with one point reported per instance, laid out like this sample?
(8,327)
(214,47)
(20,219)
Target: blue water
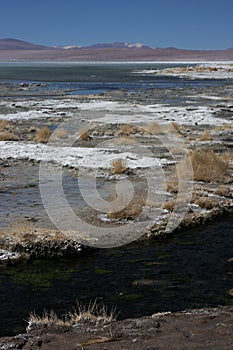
(92,78)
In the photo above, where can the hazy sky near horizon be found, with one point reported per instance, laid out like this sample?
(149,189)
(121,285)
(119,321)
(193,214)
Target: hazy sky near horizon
(189,24)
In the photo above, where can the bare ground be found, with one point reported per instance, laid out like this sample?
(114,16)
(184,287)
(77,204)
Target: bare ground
(209,329)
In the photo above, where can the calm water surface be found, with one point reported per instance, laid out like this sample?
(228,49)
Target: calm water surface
(187,270)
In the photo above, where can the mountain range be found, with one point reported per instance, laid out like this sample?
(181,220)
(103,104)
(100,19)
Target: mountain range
(18,50)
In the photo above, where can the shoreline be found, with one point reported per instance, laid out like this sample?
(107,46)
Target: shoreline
(195,329)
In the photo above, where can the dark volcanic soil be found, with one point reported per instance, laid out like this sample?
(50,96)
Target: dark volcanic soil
(209,329)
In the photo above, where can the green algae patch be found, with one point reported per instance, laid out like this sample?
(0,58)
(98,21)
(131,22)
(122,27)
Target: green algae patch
(140,260)
(39,274)
(153,263)
(102,271)
(164,256)
(130,296)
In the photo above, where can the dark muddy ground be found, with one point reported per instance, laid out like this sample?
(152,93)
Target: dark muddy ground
(209,329)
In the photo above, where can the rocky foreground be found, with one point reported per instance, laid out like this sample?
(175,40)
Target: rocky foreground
(209,329)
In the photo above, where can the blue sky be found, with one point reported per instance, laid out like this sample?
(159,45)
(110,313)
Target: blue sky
(200,24)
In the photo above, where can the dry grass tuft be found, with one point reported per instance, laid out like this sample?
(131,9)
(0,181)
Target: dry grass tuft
(206,202)
(174,127)
(153,128)
(126,130)
(191,137)
(24,232)
(85,135)
(93,314)
(206,136)
(118,166)
(169,205)
(59,133)
(223,191)
(131,210)
(128,213)
(43,135)
(223,127)
(8,136)
(172,185)
(227,156)
(129,141)
(208,166)
(4,124)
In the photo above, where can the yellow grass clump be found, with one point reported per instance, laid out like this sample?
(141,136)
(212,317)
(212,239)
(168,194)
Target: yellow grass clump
(206,202)
(223,191)
(94,314)
(59,133)
(153,128)
(126,130)
(169,205)
(223,127)
(4,124)
(227,156)
(172,185)
(175,128)
(130,212)
(118,166)
(206,136)
(208,166)
(191,137)
(8,136)
(43,135)
(129,141)
(85,135)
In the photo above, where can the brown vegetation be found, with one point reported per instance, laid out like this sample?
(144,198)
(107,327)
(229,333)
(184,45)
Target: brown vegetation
(208,166)
(22,231)
(223,127)
(206,202)
(227,156)
(127,130)
(206,136)
(94,313)
(85,135)
(153,128)
(118,166)
(169,205)
(43,135)
(132,210)
(128,213)
(59,133)
(8,136)
(6,131)
(191,137)
(223,191)
(130,140)
(176,127)
(172,185)
(4,124)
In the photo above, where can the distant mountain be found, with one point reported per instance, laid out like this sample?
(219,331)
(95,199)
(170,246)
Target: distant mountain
(119,45)
(68,47)
(14,44)
(18,50)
